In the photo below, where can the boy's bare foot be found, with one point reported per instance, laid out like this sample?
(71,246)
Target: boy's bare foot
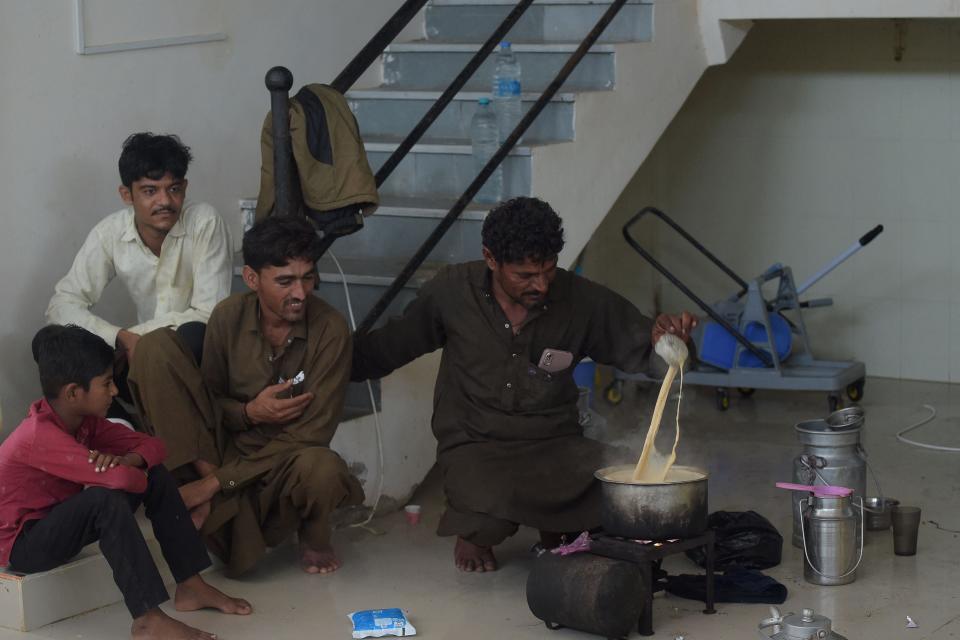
(199,515)
(156,625)
(197,492)
(472,557)
(318,560)
(194,593)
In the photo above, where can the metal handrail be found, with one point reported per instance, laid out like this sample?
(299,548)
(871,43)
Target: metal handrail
(431,242)
(465,74)
(374,49)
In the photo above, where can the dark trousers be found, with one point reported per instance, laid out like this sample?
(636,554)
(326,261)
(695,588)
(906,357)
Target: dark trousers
(107,515)
(191,333)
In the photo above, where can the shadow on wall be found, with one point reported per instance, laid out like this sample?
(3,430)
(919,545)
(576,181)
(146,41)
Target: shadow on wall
(81,193)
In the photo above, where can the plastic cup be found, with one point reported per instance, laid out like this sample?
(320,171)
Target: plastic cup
(412,512)
(906,527)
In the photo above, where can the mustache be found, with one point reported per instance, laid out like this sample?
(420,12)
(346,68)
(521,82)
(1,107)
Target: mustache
(164,210)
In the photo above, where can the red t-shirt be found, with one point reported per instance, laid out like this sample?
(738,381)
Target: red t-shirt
(41,465)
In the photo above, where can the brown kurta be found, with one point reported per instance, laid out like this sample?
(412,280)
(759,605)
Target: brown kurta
(509,442)
(274,477)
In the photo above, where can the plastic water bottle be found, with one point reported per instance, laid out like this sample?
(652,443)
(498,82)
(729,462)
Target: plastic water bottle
(485,137)
(506,90)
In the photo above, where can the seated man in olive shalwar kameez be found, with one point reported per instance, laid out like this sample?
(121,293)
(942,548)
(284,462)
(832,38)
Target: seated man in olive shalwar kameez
(510,448)
(249,432)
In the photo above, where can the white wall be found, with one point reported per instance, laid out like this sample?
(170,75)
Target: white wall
(63,118)
(808,137)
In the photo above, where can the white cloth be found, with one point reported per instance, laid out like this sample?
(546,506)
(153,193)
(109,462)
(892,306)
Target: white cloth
(191,275)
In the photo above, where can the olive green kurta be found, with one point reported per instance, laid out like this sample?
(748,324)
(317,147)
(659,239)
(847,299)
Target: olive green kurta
(274,478)
(509,442)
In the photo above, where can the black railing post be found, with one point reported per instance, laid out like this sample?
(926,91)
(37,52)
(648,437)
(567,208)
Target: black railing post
(279,81)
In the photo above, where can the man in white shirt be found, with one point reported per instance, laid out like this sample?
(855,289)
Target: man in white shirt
(173,256)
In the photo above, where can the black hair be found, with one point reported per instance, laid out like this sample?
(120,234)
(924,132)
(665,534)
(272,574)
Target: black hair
(146,155)
(277,240)
(69,354)
(521,229)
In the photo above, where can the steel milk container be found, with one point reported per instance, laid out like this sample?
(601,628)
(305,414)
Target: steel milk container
(831,533)
(832,454)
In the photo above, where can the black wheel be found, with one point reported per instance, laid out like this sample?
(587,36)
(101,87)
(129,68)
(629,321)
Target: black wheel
(833,403)
(855,391)
(723,399)
(614,392)
(746,392)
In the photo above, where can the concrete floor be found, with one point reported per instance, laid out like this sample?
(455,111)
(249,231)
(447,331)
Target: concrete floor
(746,450)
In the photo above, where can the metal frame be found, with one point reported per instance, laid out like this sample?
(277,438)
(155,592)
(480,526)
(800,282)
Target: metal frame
(279,81)
(84,49)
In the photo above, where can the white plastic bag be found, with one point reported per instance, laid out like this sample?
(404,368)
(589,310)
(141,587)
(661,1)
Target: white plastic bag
(377,623)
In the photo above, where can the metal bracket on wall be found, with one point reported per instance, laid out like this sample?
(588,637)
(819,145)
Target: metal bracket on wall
(82,48)
(900,39)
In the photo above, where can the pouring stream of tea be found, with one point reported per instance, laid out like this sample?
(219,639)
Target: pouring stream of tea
(653,465)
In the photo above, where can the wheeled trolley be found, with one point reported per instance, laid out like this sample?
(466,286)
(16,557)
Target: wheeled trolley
(748,342)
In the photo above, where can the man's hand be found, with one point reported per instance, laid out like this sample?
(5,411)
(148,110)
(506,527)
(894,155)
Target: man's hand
(127,342)
(104,461)
(680,326)
(268,408)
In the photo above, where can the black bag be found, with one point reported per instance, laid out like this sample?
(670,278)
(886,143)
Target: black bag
(744,539)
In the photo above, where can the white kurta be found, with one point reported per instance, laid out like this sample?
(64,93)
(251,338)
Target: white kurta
(191,275)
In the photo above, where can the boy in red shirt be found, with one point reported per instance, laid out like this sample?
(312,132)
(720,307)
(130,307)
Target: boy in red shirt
(69,477)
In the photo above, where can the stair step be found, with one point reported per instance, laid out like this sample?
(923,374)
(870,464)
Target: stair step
(429,208)
(396,232)
(431,170)
(374,272)
(391,112)
(550,21)
(366,280)
(85,583)
(428,65)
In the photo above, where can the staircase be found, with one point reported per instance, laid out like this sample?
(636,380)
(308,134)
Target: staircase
(578,155)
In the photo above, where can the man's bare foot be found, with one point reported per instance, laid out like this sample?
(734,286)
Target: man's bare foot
(156,625)
(472,557)
(318,560)
(197,492)
(194,593)
(199,515)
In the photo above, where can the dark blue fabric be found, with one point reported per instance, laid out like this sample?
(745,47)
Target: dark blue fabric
(735,585)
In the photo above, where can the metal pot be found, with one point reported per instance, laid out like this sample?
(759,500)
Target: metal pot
(806,626)
(878,512)
(671,509)
(851,417)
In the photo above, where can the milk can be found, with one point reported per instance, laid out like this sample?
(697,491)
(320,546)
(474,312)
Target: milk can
(806,626)
(832,454)
(831,534)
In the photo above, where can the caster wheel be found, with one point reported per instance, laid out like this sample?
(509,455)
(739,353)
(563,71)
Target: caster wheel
(614,392)
(723,399)
(855,391)
(833,403)
(746,392)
